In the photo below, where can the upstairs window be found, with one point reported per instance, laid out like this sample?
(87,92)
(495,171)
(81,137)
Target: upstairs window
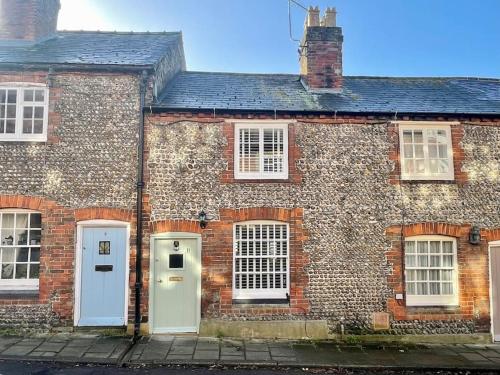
(426,152)
(21,234)
(23,113)
(261,260)
(261,151)
(431,271)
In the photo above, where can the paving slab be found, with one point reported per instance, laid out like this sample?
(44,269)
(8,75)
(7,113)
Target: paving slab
(206,355)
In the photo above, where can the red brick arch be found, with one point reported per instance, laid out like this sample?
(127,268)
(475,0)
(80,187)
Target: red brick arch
(491,234)
(94,213)
(21,201)
(436,228)
(163,226)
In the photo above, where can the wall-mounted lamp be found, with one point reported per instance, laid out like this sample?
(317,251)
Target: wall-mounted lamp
(475,235)
(202,217)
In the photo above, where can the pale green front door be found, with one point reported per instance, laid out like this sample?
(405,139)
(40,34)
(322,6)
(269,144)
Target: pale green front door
(176,278)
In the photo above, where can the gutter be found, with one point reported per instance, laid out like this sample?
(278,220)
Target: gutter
(71,67)
(140,186)
(158,108)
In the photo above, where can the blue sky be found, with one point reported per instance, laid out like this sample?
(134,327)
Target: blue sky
(381,37)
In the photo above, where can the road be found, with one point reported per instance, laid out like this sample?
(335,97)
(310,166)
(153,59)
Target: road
(47,368)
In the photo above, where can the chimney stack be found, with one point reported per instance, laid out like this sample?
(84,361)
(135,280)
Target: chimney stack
(28,20)
(321,52)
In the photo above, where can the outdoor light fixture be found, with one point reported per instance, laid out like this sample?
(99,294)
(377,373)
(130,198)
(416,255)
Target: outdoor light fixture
(475,235)
(202,217)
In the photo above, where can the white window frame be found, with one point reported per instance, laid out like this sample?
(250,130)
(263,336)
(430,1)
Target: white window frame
(19,284)
(18,136)
(261,125)
(434,300)
(424,125)
(256,294)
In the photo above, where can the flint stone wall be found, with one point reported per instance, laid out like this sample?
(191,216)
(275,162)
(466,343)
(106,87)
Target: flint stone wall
(347,199)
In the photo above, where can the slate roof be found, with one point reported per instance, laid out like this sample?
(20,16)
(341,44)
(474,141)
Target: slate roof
(283,92)
(93,48)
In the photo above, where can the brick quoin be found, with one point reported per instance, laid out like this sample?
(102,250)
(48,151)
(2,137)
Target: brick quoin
(473,276)
(217,260)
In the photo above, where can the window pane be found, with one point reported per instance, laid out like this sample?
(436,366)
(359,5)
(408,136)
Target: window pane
(433,151)
(435,247)
(447,247)
(422,289)
(443,151)
(12,96)
(3,96)
(7,220)
(410,288)
(2,125)
(410,247)
(418,136)
(34,271)
(11,111)
(35,220)
(7,271)
(443,166)
(22,254)
(446,275)
(38,112)
(420,166)
(447,288)
(407,136)
(435,261)
(27,112)
(409,166)
(410,275)
(422,275)
(8,255)
(434,275)
(408,151)
(21,237)
(21,271)
(10,126)
(419,151)
(410,261)
(28,95)
(27,126)
(35,237)
(422,247)
(39,95)
(434,288)
(35,255)
(38,126)
(447,260)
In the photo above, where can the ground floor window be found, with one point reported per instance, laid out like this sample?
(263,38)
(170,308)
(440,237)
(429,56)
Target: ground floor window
(21,234)
(261,260)
(431,271)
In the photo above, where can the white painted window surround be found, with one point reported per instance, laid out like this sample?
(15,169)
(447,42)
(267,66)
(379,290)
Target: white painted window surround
(261,259)
(21,232)
(431,272)
(426,151)
(23,112)
(261,150)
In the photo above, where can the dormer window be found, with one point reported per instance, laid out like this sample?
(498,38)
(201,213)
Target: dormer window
(23,113)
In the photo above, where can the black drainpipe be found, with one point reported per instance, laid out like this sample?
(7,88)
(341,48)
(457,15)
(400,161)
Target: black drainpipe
(140,185)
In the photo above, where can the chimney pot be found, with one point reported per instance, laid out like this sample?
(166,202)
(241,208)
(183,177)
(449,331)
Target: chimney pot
(312,17)
(330,18)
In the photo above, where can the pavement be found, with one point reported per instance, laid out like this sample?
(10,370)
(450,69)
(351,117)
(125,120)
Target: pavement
(193,350)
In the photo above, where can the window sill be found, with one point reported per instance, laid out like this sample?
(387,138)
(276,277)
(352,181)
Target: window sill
(19,294)
(418,182)
(261,302)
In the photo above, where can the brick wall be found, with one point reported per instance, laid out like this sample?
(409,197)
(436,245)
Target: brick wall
(348,204)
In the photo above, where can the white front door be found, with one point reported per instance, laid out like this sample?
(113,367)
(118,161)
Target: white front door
(495,289)
(176,279)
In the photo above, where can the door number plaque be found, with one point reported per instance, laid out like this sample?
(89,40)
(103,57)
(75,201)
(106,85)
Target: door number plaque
(175,278)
